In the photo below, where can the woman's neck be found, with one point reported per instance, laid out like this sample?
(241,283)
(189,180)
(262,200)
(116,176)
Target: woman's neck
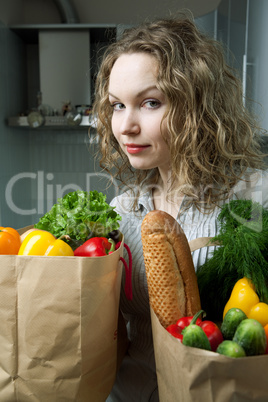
(166,197)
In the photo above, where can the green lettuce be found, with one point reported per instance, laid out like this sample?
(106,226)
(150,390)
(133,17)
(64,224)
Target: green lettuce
(80,215)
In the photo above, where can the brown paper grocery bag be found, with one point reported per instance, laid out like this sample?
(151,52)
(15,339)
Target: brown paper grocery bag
(186,374)
(58,327)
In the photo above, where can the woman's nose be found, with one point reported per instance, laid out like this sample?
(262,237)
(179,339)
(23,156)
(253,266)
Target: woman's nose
(130,123)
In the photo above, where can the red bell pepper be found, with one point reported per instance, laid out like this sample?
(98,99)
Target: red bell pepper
(185,321)
(176,329)
(213,333)
(95,247)
(211,330)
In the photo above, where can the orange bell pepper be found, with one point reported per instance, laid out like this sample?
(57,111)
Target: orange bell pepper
(266,333)
(9,241)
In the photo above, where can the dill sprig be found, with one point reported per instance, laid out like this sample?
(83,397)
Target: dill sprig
(243,252)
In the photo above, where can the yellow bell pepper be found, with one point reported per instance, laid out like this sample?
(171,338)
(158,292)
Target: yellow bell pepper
(243,296)
(40,242)
(259,312)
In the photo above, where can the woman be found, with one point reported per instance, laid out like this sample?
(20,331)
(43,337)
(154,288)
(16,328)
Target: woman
(174,130)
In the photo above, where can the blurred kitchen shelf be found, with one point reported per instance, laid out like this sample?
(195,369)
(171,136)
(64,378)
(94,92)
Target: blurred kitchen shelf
(49,122)
(100,36)
(98,32)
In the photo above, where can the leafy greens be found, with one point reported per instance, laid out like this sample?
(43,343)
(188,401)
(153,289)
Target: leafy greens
(243,251)
(80,215)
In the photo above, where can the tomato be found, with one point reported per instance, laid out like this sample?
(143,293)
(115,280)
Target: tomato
(9,240)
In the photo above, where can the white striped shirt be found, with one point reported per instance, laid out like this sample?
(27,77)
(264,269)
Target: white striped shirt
(137,378)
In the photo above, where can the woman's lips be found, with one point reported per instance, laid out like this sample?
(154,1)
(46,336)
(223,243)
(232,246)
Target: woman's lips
(135,148)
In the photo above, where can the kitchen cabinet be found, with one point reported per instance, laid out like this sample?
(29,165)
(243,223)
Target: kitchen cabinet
(61,61)
(41,165)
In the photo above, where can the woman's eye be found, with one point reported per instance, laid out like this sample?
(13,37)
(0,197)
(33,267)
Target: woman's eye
(152,104)
(118,106)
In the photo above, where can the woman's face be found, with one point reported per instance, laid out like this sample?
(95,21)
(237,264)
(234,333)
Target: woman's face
(138,110)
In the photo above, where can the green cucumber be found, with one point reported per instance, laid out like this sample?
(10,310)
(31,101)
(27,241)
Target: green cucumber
(251,336)
(194,336)
(231,349)
(232,319)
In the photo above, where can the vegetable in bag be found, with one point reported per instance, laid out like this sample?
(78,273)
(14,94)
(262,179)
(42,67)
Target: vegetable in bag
(79,216)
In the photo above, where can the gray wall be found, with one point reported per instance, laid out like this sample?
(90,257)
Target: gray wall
(257,57)
(14,144)
(102,11)
(38,166)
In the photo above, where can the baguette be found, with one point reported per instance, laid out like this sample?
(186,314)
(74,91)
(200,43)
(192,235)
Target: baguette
(172,282)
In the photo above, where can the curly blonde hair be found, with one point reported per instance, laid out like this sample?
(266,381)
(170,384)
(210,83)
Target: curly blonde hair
(213,139)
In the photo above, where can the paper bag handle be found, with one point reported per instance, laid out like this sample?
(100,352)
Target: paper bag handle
(201,242)
(128,270)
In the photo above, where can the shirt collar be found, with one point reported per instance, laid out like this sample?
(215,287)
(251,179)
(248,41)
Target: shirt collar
(145,201)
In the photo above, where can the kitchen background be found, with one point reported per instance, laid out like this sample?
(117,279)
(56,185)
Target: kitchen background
(49,53)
